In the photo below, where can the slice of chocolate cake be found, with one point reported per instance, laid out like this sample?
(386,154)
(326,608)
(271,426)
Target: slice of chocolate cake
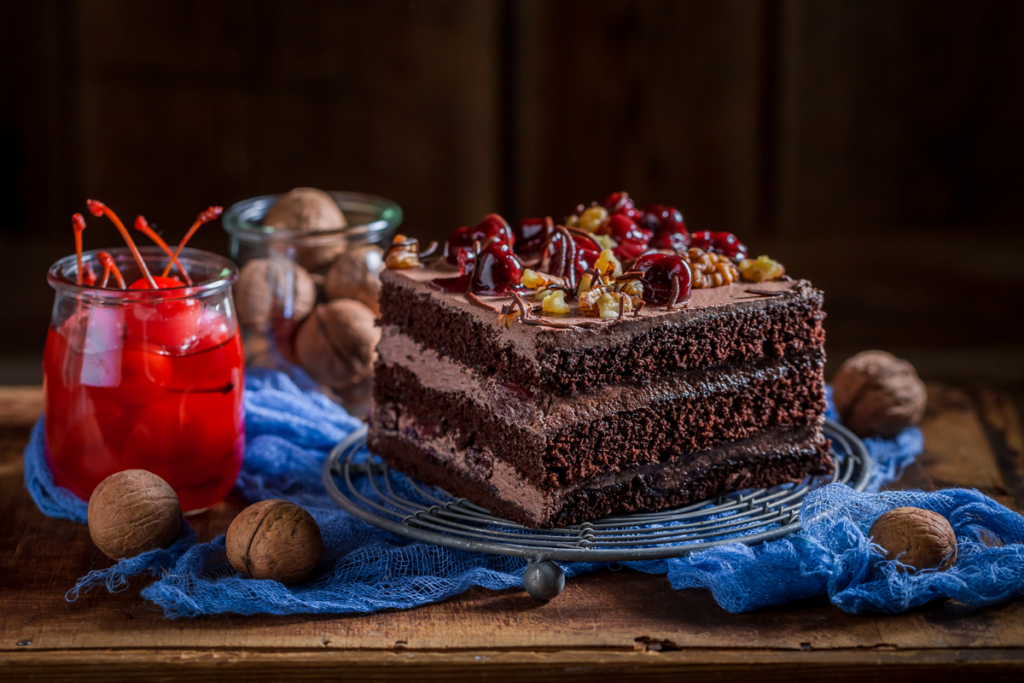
(551,419)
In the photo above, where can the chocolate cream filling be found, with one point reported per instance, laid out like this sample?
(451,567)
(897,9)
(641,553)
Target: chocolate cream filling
(442,458)
(543,412)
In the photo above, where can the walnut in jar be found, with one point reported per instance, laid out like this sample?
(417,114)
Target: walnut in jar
(355,274)
(311,210)
(272,288)
(337,344)
(305,208)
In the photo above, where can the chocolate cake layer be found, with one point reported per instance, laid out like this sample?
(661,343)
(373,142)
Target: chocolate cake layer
(720,327)
(551,444)
(767,460)
(581,417)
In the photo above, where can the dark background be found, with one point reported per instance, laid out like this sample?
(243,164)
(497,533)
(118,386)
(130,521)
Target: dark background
(873,146)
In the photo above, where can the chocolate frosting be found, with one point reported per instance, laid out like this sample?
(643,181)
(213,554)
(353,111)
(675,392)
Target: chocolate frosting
(591,331)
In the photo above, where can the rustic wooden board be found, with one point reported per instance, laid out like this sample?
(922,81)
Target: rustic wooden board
(855,666)
(604,622)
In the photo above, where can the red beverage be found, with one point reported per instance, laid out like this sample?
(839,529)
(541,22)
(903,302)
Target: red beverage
(146,379)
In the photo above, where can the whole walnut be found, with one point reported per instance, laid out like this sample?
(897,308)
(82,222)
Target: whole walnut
(276,540)
(878,394)
(355,274)
(921,539)
(337,344)
(306,208)
(268,288)
(132,512)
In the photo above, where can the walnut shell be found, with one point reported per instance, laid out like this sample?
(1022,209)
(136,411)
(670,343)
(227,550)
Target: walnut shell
(355,274)
(275,540)
(305,208)
(337,344)
(268,287)
(878,394)
(132,512)
(921,539)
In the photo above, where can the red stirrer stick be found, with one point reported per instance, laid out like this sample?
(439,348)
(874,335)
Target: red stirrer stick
(100,209)
(143,226)
(204,217)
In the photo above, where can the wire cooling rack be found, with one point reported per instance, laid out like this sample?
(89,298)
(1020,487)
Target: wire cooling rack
(370,490)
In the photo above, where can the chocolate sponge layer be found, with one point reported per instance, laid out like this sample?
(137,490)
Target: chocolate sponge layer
(631,351)
(580,418)
(711,410)
(789,456)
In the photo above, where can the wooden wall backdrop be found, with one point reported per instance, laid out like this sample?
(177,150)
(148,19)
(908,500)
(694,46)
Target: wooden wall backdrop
(874,146)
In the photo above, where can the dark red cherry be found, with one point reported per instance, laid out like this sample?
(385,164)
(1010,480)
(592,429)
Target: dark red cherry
(632,240)
(569,262)
(161,282)
(496,270)
(622,204)
(170,324)
(493,271)
(724,243)
(531,234)
(668,226)
(466,260)
(664,276)
(492,225)
(460,283)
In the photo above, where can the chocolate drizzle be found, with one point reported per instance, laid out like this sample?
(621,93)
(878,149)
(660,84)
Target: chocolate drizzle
(584,234)
(477,301)
(526,314)
(566,266)
(763,292)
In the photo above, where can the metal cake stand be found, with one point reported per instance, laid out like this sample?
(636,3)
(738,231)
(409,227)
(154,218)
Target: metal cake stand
(370,490)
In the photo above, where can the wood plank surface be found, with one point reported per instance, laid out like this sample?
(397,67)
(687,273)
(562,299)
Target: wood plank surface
(607,621)
(693,666)
(20,406)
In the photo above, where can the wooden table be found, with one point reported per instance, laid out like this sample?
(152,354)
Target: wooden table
(604,625)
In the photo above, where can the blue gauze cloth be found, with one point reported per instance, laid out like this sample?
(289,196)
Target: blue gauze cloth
(290,431)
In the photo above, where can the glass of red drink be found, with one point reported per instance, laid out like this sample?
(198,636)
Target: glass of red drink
(145,378)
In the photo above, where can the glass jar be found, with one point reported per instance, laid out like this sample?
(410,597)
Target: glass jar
(284,274)
(145,379)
